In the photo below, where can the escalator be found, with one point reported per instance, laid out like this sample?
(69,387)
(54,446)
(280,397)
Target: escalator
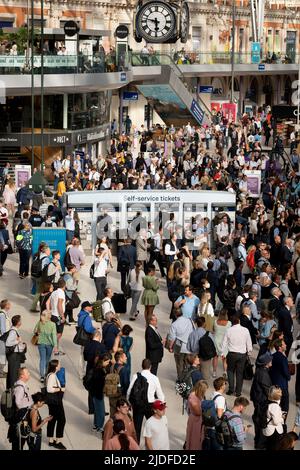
(168,95)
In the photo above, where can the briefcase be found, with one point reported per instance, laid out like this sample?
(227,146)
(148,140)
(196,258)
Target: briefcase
(119,302)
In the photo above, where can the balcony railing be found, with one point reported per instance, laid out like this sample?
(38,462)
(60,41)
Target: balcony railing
(206,58)
(61,64)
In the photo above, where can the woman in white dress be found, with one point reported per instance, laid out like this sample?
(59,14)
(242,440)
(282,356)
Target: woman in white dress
(221,325)
(9,195)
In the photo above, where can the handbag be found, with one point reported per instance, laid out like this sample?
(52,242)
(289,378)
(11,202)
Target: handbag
(248,369)
(82,337)
(9,249)
(34,339)
(92,271)
(74,301)
(292,368)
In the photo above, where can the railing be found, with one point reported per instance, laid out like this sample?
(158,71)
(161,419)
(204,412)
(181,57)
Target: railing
(205,58)
(61,64)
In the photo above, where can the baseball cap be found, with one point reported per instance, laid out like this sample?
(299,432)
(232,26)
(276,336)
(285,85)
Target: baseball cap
(159,405)
(86,304)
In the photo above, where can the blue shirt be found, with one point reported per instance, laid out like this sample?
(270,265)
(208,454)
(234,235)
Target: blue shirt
(85,322)
(189,308)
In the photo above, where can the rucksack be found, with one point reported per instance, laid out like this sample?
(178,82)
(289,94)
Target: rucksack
(67,258)
(45,276)
(112,384)
(97,310)
(184,385)
(8,349)
(262,418)
(139,392)
(52,166)
(209,412)
(225,433)
(8,405)
(243,302)
(207,349)
(36,266)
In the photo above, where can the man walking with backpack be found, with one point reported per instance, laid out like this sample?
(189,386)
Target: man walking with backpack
(219,402)
(40,260)
(231,430)
(142,394)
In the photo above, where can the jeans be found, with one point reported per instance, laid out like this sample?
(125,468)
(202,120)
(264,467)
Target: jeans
(100,284)
(135,297)
(70,235)
(45,351)
(235,365)
(99,413)
(24,261)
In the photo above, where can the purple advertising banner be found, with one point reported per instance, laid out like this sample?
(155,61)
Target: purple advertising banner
(253,183)
(22,174)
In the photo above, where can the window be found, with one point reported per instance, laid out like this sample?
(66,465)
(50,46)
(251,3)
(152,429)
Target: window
(196,38)
(277,46)
(37,22)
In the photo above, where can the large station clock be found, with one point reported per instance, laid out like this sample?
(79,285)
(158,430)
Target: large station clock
(156,22)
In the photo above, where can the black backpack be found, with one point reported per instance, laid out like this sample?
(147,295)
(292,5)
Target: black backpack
(45,276)
(207,349)
(67,258)
(36,266)
(139,393)
(225,433)
(262,419)
(88,380)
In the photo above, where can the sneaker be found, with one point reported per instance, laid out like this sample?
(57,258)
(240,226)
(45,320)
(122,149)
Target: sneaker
(132,318)
(60,446)
(52,444)
(94,428)
(72,322)
(61,353)
(214,375)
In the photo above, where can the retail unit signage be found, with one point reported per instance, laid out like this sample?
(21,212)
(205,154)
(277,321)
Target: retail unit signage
(49,61)
(71,28)
(122,31)
(22,174)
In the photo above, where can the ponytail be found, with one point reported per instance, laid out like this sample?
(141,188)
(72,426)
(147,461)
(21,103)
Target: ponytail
(124,441)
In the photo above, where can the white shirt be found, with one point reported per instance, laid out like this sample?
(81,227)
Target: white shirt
(157,430)
(100,267)
(136,284)
(69,222)
(237,339)
(222,230)
(54,298)
(107,306)
(220,402)
(154,386)
(274,414)
(239,301)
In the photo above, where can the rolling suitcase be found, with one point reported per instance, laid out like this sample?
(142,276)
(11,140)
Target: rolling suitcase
(119,302)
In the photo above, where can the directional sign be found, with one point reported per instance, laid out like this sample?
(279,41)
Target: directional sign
(255,52)
(261,67)
(206,89)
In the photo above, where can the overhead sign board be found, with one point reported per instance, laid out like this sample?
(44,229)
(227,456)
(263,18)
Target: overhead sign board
(261,67)
(197,112)
(130,95)
(206,89)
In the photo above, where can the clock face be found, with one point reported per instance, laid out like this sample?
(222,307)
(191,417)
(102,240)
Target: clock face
(156,22)
(184,22)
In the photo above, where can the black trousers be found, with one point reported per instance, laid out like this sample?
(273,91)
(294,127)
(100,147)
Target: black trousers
(235,370)
(69,314)
(24,262)
(154,367)
(285,400)
(138,416)
(156,256)
(100,283)
(59,419)
(124,277)
(297,385)
(14,361)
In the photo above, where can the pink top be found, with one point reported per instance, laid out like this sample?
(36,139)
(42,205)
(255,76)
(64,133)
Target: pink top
(114,444)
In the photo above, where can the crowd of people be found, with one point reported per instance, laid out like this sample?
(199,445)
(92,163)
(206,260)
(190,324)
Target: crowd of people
(233,297)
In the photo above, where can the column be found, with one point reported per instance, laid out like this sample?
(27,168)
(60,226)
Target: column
(65,111)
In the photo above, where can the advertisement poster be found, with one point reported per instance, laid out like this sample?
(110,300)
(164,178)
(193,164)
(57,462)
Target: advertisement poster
(22,174)
(253,182)
(216,107)
(54,237)
(229,111)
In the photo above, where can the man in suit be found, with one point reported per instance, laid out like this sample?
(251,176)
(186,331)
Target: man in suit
(279,372)
(275,303)
(246,322)
(287,254)
(154,344)
(126,260)
(285,322)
